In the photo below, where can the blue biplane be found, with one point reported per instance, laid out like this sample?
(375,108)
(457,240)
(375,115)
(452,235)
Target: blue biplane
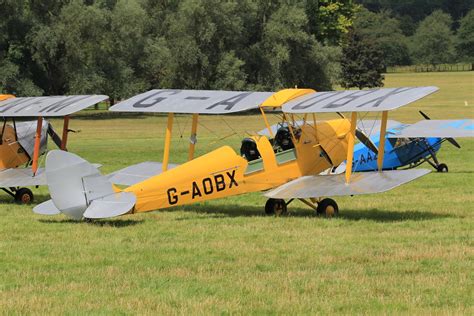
(406,145)
(409,145)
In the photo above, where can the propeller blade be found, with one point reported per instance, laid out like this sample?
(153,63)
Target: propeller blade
(325,155)
(424,115)
(453,142)
(54,136)
(366,141)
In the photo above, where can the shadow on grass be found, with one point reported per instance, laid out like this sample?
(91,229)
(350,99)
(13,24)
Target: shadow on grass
(376,215)
(101,222)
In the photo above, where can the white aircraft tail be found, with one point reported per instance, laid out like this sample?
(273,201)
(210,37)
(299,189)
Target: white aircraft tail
(78,189)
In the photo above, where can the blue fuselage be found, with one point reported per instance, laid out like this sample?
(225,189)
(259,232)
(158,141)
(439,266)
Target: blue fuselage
(399,152)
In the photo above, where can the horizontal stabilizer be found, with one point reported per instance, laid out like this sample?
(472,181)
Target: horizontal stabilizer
(437,128)
(137,173)
(46,208)
(110,206)
(335,185)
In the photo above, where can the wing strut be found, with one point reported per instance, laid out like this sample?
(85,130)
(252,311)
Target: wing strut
(39,126)
(166,153)
(193,138)
(65,132)
(350,146)
(266,122)
(383,129)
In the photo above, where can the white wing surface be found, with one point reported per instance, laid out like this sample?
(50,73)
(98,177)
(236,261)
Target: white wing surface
(192,101)
(437,128)
(372,100)
(48,106)
(335,185)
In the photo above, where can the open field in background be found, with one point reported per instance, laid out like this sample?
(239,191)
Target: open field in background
(409,250)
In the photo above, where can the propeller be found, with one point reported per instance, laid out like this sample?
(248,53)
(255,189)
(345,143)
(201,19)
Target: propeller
(451,140)
(362,137)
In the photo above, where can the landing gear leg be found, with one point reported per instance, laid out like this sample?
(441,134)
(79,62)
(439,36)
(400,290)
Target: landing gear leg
(276,207)
(440,167)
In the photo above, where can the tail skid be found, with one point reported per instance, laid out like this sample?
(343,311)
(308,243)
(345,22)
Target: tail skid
(78,190)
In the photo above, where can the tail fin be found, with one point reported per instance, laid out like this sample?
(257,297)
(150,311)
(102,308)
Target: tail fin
(79,190)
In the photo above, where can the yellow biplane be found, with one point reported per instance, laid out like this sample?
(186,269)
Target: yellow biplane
(286,165)
(23,142)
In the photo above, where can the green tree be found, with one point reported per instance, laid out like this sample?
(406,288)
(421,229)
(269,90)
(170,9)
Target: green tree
(433,41)
(465,38)
(16,67)
(386,32)
(330,20)
(419,9)
(362,62)
(230,74)
(290,56)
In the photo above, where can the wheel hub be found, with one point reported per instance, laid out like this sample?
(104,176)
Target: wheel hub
(25,199)
(330,211)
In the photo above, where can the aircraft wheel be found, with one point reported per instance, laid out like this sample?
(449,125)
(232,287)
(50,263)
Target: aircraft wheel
(442,167)
(275,207)
(328,207)
(24,196)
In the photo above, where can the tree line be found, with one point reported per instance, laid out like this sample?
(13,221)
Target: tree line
(123,47)
(435,39)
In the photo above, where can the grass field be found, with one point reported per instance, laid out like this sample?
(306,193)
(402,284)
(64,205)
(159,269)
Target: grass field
(406,251)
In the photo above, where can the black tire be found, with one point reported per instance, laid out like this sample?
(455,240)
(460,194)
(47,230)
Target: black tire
(275,207)
(327,207)
(24,196)
(442,167)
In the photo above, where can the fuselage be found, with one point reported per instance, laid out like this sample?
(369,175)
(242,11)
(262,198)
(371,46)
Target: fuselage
(223,172)
(399,152)
(17,145)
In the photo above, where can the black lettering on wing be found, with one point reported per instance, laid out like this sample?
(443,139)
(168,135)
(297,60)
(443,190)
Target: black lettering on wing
(230,102)
(154,99)
(58,106)
(347,96)
(14,104)
(378,100)
(320,96)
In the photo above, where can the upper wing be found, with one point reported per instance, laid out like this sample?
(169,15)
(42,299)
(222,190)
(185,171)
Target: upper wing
(48,106)
(192,101)
(335,185)
(436,128)
(357,100)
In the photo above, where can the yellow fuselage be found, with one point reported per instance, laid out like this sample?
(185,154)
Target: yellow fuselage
(11,153)
(223,172)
